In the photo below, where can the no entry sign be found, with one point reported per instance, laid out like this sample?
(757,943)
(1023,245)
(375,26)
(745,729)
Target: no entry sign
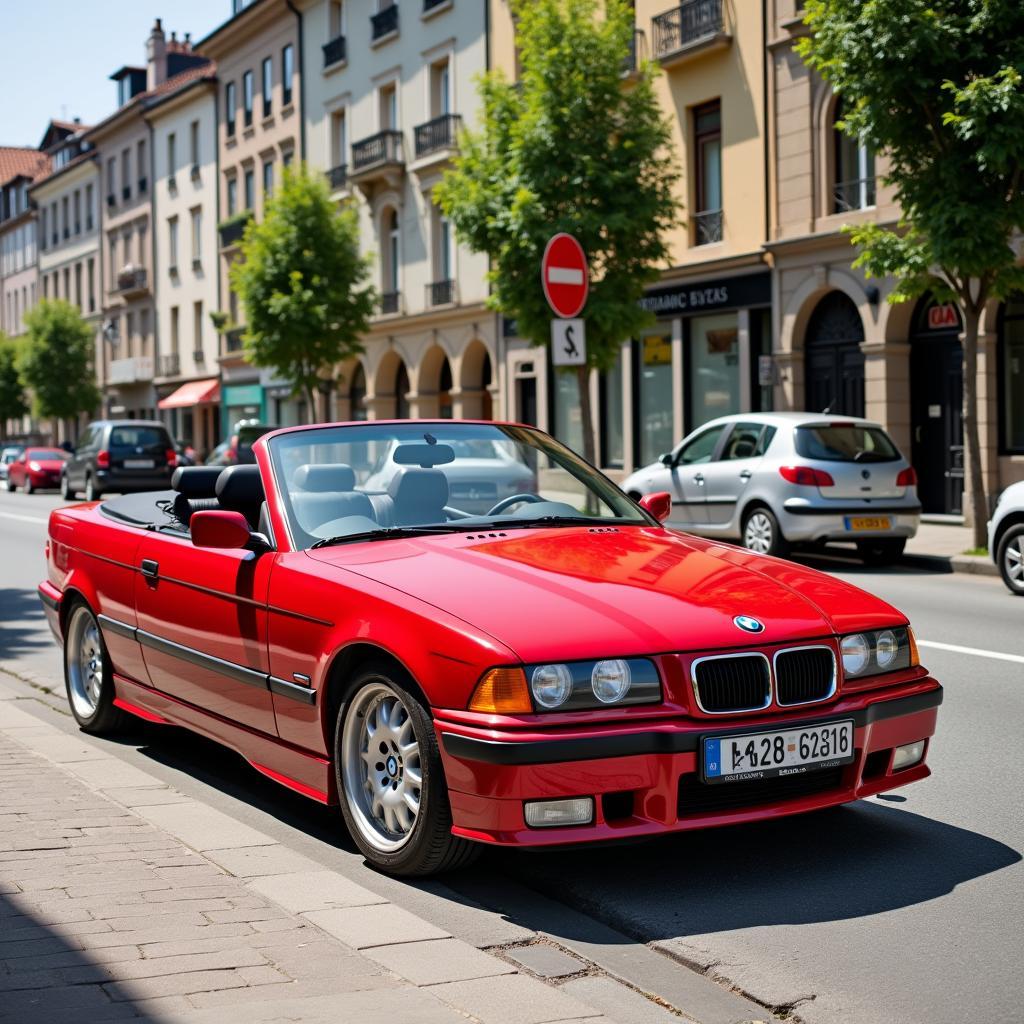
(563,272)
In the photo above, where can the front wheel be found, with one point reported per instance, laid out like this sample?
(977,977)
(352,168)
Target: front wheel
(879,553)
(67,492)
(9,484)
(88,674)
(28,487)
(92,492)
(762,533)
(390,781)
(1010,556)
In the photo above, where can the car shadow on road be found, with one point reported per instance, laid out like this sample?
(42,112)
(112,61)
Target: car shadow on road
(22,627)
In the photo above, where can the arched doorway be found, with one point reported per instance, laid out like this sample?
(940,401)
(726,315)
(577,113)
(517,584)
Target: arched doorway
(475,382)
(402,410)
(936,407)
(444,391)
(357,394)
(833,361)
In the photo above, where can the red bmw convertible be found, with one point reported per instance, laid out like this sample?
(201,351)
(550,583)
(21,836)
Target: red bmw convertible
(559,669)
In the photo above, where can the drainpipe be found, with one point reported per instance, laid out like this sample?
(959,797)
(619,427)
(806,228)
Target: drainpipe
(153,248)
(302,81)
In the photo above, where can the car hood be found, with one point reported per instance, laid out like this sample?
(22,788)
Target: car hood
(577,593)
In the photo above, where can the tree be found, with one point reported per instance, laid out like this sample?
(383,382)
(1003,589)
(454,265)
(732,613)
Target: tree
(57,361)
(569,148)
(936,85)
(301,281)
(12,389)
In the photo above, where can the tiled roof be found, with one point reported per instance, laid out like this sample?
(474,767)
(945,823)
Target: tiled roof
(20,160)
(71,126)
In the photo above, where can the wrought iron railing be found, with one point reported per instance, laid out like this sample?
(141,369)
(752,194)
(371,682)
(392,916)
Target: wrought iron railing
(685,24)
(233,340)
(383,148)
(384,22)
(338,176)
(390,302)
(707,227)
(856,194)
(334,51)
(131,279)
(637,51)
(440,133)
(441,293)
(170,365)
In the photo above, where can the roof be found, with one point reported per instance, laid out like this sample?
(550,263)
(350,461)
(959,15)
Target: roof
(22,162)
(236,17)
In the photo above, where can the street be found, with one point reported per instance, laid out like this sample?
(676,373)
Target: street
(903,909)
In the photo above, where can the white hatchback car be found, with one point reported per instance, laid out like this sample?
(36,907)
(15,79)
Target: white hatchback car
(1006,537)
(771,480)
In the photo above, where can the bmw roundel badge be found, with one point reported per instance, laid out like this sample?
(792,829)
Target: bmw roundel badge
(749,623)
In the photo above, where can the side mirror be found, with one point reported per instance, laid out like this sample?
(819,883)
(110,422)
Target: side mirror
(666,459)
(219,529)
(658,505)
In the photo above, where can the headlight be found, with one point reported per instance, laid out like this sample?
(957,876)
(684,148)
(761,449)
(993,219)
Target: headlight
(34,466)
(884,650)
(584,685)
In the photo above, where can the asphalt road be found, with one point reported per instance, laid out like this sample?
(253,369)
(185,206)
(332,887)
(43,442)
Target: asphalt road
(904,908)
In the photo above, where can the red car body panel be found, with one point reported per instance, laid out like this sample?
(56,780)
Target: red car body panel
(43,472)
(245,648)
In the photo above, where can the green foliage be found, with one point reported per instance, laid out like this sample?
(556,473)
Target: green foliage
(569,148)
(302,281)
(12,389)
(220,320)
(57,360)
(239,217)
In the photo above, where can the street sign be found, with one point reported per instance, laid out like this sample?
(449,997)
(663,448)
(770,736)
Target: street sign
(568,343)
(563,272)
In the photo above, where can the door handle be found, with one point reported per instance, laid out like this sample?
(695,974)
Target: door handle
(698,478)
(745,474)
(150,569)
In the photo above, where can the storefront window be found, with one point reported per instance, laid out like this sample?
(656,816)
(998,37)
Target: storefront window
(714,368)
(1013,376)
(657,430)
(568,417)
(612,440)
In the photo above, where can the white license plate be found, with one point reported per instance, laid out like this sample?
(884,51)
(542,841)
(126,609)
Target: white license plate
(139,463)
(764,755)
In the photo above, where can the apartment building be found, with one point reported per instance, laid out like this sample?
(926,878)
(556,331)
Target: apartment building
(259,132)
(183,125)
(20,166)
(387,88)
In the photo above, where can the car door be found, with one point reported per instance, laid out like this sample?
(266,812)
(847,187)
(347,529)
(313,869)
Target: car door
(689,462)
(202,616)
(16,471)
(728,476)
(75,467)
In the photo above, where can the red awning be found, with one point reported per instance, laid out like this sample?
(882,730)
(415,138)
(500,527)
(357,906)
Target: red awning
(195,392)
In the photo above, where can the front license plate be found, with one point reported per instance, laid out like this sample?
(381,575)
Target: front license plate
(139,463)
(868,523)
(764,755)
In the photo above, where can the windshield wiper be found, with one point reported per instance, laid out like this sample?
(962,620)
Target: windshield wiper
(522,524)
(388,533)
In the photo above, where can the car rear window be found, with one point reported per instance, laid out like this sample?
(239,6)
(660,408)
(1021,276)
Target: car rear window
(139,437)
(845,442)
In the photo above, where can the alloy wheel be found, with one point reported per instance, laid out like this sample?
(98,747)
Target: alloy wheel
(758,534)
(1013,561)
(85,663)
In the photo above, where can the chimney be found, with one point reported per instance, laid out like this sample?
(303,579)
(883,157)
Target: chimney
(156,56)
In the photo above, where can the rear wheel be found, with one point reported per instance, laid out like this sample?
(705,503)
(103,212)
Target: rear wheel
(1010,556)
(88,674)
(390,780)
(881,552)
(92,492)
(67,492)
(762,533)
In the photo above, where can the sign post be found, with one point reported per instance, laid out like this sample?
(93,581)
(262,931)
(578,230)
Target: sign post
(566,282)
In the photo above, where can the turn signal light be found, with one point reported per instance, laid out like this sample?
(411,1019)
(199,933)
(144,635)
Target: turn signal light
(103,459)
(806,476)
(502,691)
(907,477)
(915,657)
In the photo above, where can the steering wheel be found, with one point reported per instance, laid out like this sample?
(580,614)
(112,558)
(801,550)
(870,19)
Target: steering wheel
(513,499)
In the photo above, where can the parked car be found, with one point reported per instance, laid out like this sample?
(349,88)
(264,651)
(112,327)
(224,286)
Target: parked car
(36,469)
(1006,537)
(771,480)
(120,455)
(535,675)
(237,450)
(7,456)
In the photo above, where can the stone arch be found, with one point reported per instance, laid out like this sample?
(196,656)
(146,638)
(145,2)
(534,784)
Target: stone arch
(390,388)
(833,357)
(433,388)
(476,382)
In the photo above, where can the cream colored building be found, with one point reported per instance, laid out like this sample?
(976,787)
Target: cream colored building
(184,131)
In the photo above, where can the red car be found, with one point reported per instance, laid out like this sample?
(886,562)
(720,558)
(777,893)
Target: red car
(560,669)
(36,469)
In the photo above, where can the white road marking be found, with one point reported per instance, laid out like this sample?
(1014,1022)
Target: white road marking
(565,275)
(976,651)
(24,519)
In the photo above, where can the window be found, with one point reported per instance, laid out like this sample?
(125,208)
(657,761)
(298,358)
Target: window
(388,98)
(197,326)
(112,245)
(440,89)
(232,200)
(111,179)
(91,279)
(714,367)
(54,223)
(67,284)
(124,90)
(654,379)
(197,237)
(172,158)
(392,276)
(78,285)
(268,180)
(77,206)
(172,244)
(744,442)
(701,448)
(250,188)
(230,104)
(42,228)
(339,139)
(65,219)
(174,330)
(336,19)
(126,173)
(193,146)
(268,85)
(247,97)
(88,207)
(287,157)
(854,185)
(707,221)
(129,333)
(141,164)
(287,74)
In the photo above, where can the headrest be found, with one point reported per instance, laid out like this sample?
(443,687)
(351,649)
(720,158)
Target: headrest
(429,486)
(196,481)
(336,477)
(239,488)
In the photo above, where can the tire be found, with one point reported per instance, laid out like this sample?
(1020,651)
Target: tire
(67,492)
(92,492)
(88,674)
(762,533)
(28,487)
(400,828)
(879,553)
(9,484)
(1010,557)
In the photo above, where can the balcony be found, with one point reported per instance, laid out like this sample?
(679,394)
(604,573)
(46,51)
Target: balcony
(707,227)
(232,229)
(131,281)
(439,137)
(334,52)
(441,293)
(233,339)
(338,177)
(377,160)
(858,194)
(384,24)
(132,370)
(429,6)
(390,303)
(170,365)
(692,27)
(636,53)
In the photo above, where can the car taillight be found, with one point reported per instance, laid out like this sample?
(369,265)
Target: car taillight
(806,476)
(907,477)
(103,459)
(172,457)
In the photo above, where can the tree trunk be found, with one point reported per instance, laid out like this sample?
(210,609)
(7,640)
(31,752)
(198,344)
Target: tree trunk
(310,390)
(586,414)
(972,437)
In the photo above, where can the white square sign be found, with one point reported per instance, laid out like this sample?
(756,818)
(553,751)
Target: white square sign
(568,343)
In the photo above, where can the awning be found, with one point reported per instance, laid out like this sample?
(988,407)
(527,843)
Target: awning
(195,392)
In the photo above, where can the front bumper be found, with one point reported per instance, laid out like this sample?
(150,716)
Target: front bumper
(818,521)
(645,781)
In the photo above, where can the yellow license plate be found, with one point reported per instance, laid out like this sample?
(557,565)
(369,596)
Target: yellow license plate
(868,523)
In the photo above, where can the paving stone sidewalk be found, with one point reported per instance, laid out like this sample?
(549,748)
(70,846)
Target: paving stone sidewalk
(122,898)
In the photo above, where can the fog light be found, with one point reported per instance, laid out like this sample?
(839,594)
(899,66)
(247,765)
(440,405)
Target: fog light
(905,756)
(552,813)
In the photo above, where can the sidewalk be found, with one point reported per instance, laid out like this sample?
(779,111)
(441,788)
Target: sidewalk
(122,898)
(944,544)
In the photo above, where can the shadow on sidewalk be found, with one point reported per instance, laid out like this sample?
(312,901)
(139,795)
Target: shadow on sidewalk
(22,625)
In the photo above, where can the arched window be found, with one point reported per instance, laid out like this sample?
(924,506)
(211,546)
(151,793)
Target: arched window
(854,169)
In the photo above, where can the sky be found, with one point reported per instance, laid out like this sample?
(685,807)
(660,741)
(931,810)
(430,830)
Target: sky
(56,55)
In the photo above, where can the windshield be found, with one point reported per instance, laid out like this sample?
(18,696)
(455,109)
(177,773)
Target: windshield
(384,480)
(845,442)
(47,454)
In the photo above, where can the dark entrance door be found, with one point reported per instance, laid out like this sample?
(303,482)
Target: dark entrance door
(833,361)
(936,408)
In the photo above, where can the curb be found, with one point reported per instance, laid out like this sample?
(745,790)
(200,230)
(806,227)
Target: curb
(975,565)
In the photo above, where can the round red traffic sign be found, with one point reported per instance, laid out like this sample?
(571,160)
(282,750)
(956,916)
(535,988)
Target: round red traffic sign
(563,272)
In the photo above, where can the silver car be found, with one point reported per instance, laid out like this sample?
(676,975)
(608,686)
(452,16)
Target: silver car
(1006,537)
(771,480)
(7,456)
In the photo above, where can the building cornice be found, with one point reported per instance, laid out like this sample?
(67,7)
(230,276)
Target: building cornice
(84,160)
(257,17)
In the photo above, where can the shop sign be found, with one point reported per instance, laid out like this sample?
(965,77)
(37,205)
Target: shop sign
(942,317)
(710,296)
